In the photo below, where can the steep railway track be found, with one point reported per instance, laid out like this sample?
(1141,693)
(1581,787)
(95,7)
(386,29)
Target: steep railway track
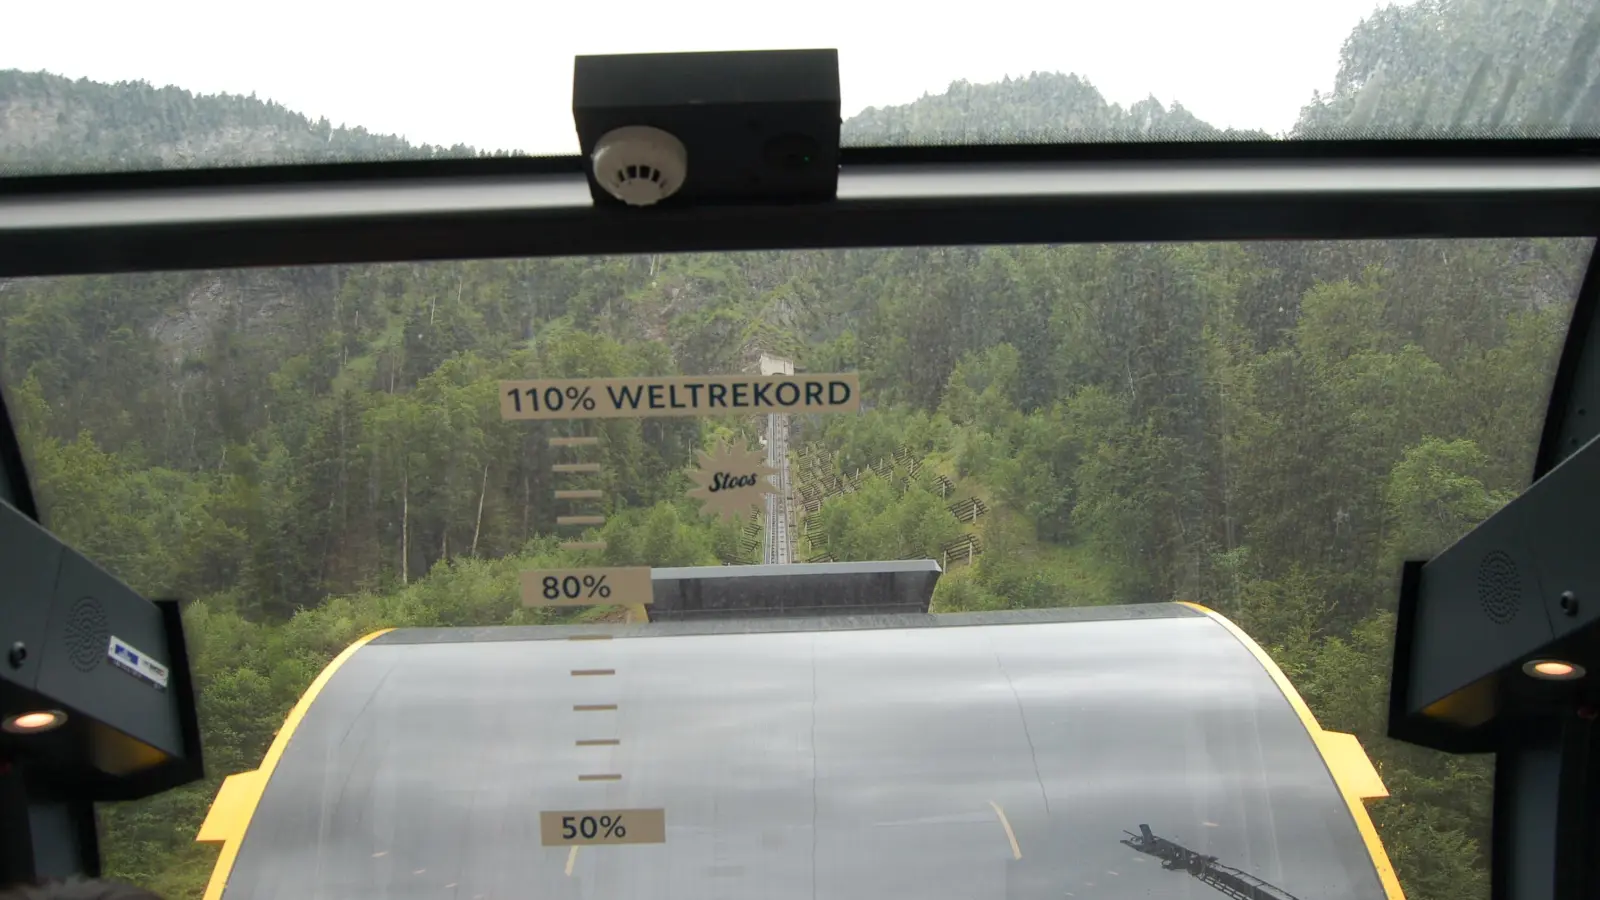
(779,547)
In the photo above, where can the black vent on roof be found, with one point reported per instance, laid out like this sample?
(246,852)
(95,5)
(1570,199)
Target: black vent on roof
(790,591)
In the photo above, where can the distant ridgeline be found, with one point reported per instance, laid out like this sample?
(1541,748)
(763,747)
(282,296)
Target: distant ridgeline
(1040,108)
(54,124)
(1458,67)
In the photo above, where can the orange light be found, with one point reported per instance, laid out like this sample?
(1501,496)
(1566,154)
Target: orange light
(1553,669)
(35,722)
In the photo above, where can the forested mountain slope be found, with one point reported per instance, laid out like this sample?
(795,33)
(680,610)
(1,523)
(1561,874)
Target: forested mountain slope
(1485,67)
(53,124)
(309,454)
(1043,108)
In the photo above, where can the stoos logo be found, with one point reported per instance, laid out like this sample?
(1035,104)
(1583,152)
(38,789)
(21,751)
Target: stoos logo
(727,481)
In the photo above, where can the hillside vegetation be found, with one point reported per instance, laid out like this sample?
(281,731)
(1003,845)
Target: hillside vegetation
(306,455)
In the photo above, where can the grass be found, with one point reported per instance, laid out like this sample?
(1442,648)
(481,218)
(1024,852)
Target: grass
(1077,571)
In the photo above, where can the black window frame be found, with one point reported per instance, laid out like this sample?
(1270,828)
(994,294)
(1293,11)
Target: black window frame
(888,197)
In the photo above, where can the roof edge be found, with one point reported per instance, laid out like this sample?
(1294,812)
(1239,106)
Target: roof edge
(229,817)
(1348,764)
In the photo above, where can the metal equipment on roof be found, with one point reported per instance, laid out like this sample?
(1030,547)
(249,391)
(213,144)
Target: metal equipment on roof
(1235,883)
(797,589)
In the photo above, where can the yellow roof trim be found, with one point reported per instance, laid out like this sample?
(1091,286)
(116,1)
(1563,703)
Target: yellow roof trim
(1347,762)
(1344,755)
(230,813)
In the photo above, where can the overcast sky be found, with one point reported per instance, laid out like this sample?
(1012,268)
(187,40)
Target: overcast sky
(498,74)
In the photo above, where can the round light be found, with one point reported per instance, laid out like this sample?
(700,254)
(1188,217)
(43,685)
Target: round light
(1552,669)
(35,722)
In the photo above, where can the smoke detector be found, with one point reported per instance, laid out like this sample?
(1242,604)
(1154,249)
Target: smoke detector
(640,165)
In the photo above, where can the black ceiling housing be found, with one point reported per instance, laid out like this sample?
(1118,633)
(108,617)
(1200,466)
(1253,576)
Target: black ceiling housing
(759,126)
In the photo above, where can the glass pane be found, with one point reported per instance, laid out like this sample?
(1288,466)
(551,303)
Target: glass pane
(167,84)
(307,455)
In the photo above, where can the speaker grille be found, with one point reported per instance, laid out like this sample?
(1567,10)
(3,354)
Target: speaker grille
(1499,587)
(88,635)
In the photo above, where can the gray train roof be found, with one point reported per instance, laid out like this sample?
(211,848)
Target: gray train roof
(868,757)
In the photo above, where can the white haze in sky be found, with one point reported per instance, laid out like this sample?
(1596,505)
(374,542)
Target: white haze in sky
(498,75)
